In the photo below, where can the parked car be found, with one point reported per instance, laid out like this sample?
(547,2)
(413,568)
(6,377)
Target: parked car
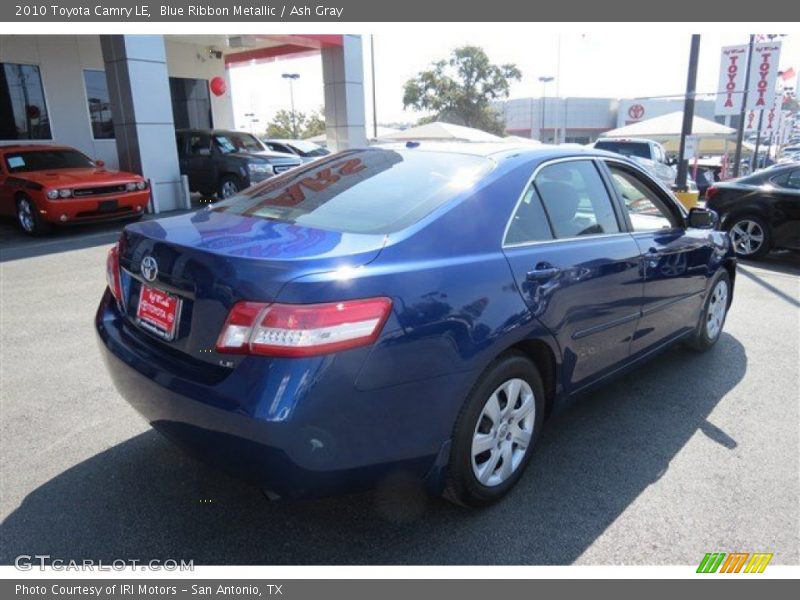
(43,185)
(223,162)
(761,211)
(651,155)
(421,308)
(307,151)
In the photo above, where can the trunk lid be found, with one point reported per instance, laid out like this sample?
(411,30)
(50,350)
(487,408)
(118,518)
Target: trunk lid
(209,260)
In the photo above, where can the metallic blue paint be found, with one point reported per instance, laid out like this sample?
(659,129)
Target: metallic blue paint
(345,420)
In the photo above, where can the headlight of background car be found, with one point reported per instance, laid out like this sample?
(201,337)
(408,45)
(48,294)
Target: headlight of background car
(65,193)
(259,168)
(140,185)
(52,194)
(130,186)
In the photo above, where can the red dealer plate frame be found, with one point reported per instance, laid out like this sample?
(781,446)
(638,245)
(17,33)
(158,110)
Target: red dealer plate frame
(158,312)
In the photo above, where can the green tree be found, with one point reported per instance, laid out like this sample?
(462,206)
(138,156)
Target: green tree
(297,126)
(459,89)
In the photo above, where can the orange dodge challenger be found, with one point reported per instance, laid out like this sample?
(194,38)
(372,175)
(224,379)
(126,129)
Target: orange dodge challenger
(42,185)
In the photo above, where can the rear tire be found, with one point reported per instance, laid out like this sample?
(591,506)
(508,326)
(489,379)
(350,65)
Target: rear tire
(495,432)
(29,219)
(750,237)
(715,311)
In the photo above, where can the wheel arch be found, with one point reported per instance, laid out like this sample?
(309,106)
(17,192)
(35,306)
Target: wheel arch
(541,354)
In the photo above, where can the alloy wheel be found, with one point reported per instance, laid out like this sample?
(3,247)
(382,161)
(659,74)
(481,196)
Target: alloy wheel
(717,306)
(747,237)
(25,215)
(503,433)
(229,188)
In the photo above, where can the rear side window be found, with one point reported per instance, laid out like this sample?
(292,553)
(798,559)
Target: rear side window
(790,179)
(373,190)
(576,200)
(529,223)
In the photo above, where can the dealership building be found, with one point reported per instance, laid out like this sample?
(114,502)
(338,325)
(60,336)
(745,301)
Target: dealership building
(582,120)
(119,98)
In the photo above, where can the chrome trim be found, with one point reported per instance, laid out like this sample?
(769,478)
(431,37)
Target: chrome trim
(607,325)
(596,236)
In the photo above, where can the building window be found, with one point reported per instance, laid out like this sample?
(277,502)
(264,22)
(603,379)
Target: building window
(23,111)
(191,103)
(99,104)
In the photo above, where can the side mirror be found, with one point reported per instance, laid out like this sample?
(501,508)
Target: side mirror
(702,218)
(99,163)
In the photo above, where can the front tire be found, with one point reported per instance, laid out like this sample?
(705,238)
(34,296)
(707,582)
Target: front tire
(228,186)
(495,432)
(750,237)
(715,311)
(29,219)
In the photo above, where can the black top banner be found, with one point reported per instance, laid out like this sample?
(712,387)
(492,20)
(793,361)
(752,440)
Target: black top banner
(395,11)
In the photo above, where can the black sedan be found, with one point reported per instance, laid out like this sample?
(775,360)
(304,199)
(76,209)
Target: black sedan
(761,211)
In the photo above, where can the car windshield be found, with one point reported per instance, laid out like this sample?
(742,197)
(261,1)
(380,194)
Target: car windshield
(638,149)
(237,142)
(364,191)
(46,160)
(307,149)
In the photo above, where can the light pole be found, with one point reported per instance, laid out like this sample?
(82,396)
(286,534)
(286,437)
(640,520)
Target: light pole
(545,79)
(291,77)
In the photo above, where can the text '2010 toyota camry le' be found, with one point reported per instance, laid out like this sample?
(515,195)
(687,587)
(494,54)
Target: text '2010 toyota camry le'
(421,308)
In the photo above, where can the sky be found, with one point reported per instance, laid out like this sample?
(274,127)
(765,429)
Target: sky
(597,63)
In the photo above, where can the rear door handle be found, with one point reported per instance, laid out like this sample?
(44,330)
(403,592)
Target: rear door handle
(542,273)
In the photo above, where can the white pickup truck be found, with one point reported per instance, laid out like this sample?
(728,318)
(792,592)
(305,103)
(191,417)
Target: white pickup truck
(649,154)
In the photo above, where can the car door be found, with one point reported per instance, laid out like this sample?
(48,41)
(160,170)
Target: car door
(197,162)
(576,267)
(675,259)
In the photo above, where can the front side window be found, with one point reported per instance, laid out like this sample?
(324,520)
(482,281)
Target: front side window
(99,104)
(646,210)
(23,111)
(575,199)
(362,191)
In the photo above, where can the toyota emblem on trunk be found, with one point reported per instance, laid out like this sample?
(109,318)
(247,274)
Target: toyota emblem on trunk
(149,268)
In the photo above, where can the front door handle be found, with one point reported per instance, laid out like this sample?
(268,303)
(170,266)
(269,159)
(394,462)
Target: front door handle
(542,272)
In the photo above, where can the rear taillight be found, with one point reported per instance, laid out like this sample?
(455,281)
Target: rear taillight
(711,192)
(112,273)
(293,330)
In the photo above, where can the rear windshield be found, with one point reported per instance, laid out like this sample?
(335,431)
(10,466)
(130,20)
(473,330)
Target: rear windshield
(639,149)
(372,190)
(307,148)
(46,160)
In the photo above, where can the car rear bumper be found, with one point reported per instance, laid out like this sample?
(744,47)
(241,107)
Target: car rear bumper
(88,210)
(319,437)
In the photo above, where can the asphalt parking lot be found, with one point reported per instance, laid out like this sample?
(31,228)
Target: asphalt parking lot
(690,454)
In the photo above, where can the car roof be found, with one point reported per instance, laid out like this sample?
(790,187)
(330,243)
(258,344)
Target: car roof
(210,131)
(27,147)
(498,150)
(626,140)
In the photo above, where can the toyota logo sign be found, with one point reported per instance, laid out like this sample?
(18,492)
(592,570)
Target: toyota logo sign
(149,268)
(636,111)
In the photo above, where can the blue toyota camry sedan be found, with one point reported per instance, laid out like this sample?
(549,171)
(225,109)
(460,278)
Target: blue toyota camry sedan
(419,308)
